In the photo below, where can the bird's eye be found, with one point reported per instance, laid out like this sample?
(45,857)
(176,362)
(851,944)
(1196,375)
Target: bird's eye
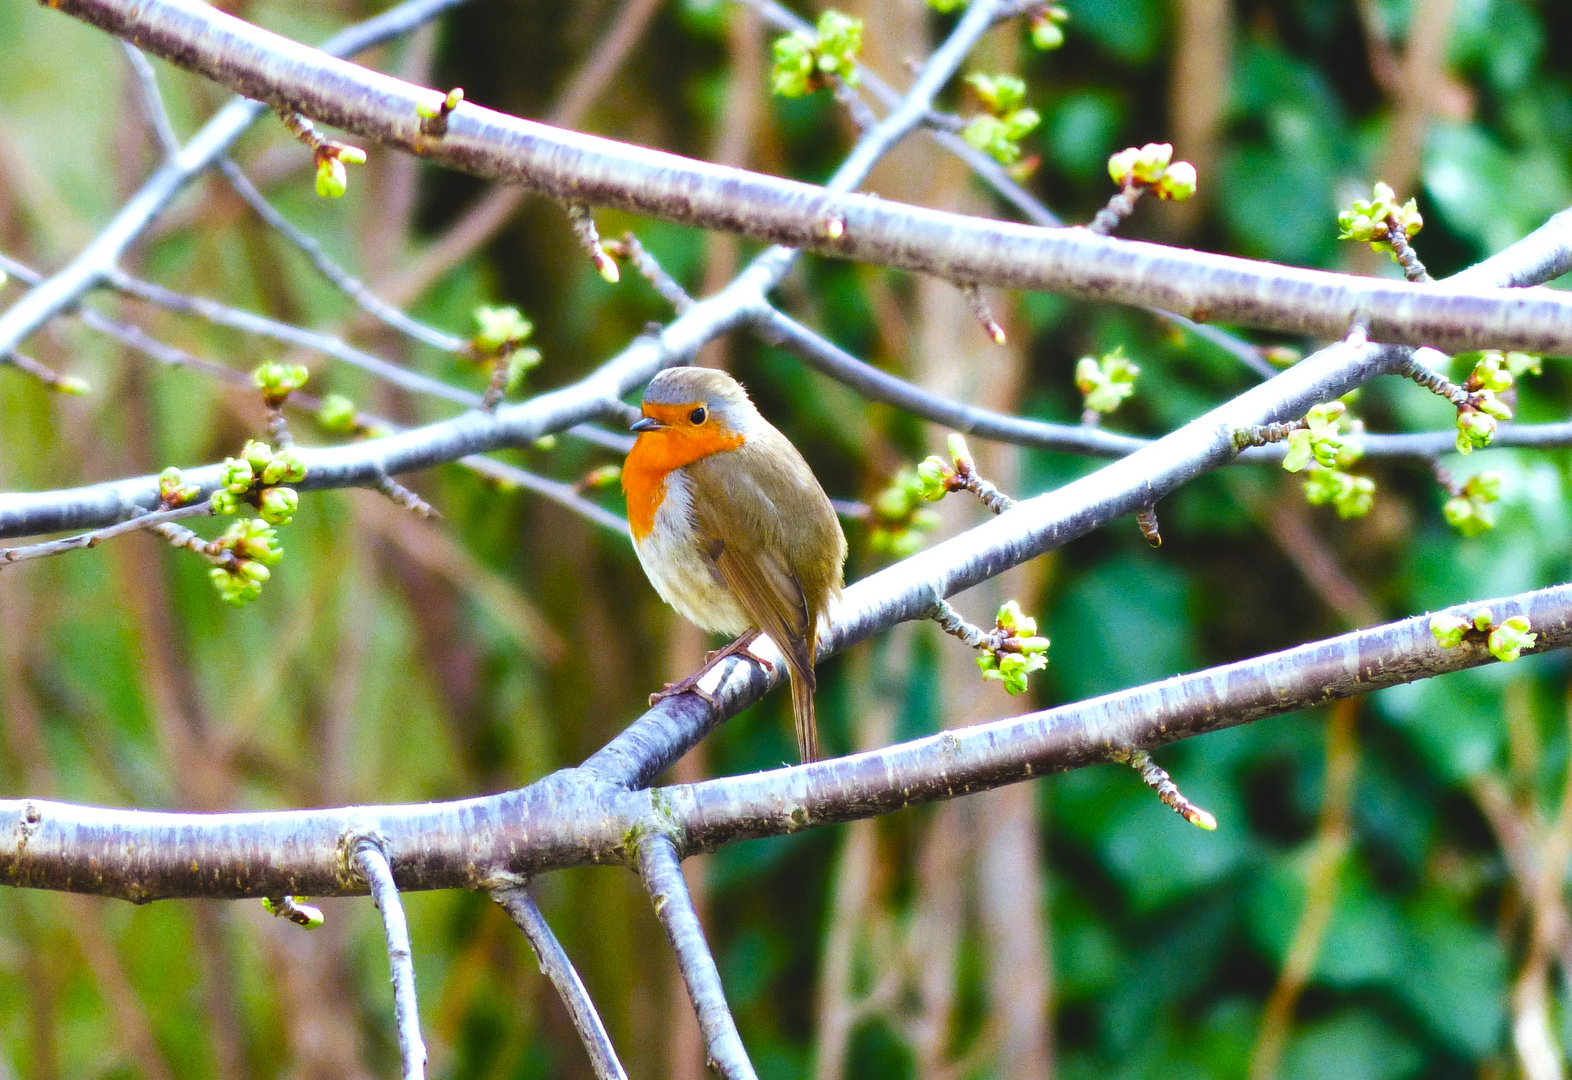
(697,415)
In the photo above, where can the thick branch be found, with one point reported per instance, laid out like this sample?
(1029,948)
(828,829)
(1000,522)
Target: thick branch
(582,168)
(574,817)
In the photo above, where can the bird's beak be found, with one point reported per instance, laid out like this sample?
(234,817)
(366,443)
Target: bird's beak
(647,423)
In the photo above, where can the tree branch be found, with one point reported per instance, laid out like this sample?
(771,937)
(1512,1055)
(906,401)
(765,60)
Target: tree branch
(662,873)
(520,905)
(369,857)
(571,166)
(577,817)
(205,148)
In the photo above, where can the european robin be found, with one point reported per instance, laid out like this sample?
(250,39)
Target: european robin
(731,526)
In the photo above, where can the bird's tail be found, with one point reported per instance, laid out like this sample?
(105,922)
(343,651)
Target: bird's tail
(802,684)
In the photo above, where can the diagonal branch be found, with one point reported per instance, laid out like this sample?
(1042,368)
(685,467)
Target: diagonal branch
(662,873)
(582,168)
(520,905)
(205,148)
(369,857)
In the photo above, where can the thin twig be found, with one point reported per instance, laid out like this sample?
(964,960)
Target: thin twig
(152,99)
(369,857)
(662,873)
(346,282)
(70,284)
(143,520)
(520,905)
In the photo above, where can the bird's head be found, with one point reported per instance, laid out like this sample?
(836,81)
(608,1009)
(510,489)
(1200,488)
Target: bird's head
(691,412)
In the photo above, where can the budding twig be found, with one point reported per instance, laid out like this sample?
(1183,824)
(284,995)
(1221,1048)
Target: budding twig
(143,520)
(589,239)
(520,905)
(1159,781)
(406,498)
(60,384)
(371,861)
(646,264)
(979,305)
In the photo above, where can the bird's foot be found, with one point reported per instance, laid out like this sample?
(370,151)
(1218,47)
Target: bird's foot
(739,647)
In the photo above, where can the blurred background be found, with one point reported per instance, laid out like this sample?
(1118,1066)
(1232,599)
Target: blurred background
(1386,894)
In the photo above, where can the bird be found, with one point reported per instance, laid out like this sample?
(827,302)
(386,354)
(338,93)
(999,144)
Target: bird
(732,528)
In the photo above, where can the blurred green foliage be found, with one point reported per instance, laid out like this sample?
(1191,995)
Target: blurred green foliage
(391,660)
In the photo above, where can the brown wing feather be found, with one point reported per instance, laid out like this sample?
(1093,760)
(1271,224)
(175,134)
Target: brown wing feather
(782,567)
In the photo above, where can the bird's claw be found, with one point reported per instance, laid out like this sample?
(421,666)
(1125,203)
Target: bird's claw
(739,647)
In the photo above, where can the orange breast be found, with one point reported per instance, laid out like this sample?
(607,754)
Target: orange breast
(657,453)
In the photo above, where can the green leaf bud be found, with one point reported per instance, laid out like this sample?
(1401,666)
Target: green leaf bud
(520,362)
(285,468)
(1520,363)
(500,328)
(1487,402)
(1047,27)
(793,72)
(1448,630)
(258,453)
(1507,641)
(236,475)
(1178,182)
(277,505)
(224,502)
(933,475)
(1474,429)
(332,178)
(1482,618)
(337,413)
(278,381)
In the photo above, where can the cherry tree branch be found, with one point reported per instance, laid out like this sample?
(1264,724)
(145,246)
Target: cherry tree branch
(205,148)
(661,869)
(519,903)
(582,168)
(368,855)
(578,816)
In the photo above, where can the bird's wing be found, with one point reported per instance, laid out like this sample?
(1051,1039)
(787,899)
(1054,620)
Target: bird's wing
(744,540)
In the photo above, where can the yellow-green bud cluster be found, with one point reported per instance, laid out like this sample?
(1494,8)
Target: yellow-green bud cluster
(500,329)
(1370,220)
(1506,641)
(434,106)
(999,131)
(898,517)
(1152,167)
(1047,27)
(806,61)
(254,545)
(278,381)
(1476,423)
(1020,653)
(1352,496)
(173,491)
(1470,511)
(1318,440)
(254,479)
(332,177)
(1105,383)
(292,909)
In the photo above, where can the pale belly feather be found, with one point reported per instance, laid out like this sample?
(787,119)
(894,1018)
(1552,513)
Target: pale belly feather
(678,568)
